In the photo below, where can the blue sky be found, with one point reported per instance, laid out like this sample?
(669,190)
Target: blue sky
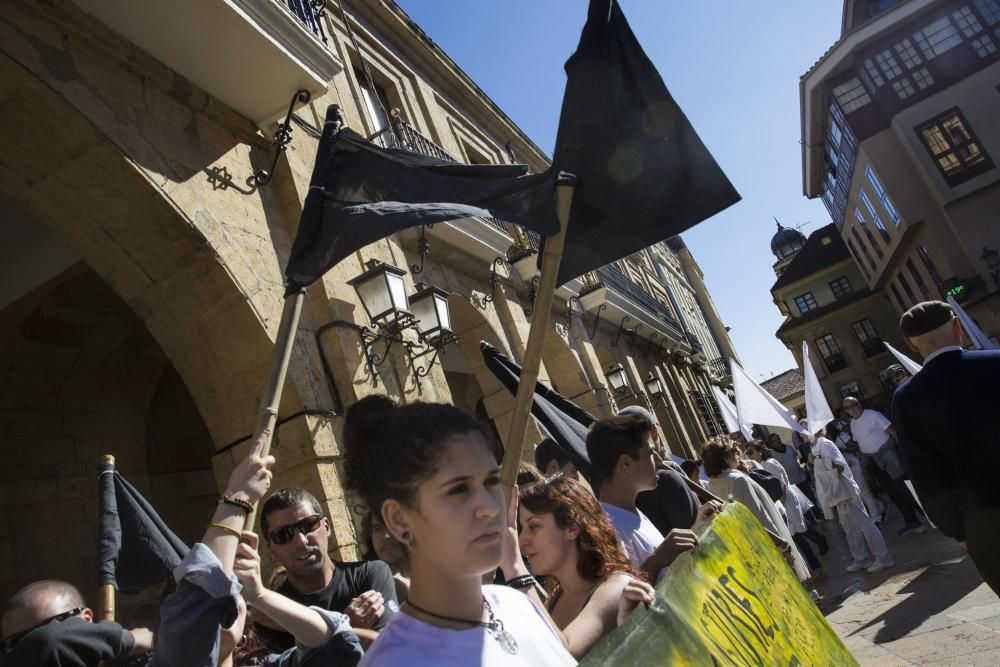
(734,68)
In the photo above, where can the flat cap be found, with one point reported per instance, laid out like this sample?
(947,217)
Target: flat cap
(924,317)
(892,370)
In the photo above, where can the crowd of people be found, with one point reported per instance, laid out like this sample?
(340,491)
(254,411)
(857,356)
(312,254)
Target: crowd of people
(457,572)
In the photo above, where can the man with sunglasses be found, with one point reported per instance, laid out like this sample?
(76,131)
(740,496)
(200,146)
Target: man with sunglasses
(48,622)
(297,535)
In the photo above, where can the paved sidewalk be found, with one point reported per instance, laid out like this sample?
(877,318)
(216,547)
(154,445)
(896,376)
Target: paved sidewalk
(932,608)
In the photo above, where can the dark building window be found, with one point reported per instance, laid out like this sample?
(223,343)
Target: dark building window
(830,351)
(930,266)
(868,337)
(918,279)
(903,305)
(857,259)
(905,284)
(805,302)
(937,38)
(864,248)
(873,212)
(990,9)
(923,78)
(882,195)
(851,95)
(967,21)
(862,223)
(955,149)
(908,54)
(841,287)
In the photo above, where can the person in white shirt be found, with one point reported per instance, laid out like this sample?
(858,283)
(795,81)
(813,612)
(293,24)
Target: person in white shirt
(875,437)
(838,492)
(840,434)
(622,466)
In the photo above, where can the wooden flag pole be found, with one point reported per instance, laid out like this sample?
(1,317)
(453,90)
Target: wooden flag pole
(551,258)
(267,413)
(106,592)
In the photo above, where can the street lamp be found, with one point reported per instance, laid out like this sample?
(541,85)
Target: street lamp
(383,295)
(429,306)
(616,379)
(653,386)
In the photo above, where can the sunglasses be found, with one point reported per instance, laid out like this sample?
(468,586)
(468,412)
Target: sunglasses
(8,643)
(285,534)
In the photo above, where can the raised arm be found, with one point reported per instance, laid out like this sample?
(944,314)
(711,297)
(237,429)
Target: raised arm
(612,603)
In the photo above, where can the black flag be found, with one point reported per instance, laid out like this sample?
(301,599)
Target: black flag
(135,548)
(361,192)
(565,422)
(643,173)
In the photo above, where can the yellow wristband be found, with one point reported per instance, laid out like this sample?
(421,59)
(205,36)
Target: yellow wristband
(228,529)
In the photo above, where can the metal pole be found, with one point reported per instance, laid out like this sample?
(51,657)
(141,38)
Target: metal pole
(551,257)
(267,413)
(106,592)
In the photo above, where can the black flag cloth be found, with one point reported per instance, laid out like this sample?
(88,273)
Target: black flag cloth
(136,549)
(566,422)
(643,175)
(361,192)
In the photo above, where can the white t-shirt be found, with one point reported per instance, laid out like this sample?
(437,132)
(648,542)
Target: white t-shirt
(413,643)
(869,431)
(638,534)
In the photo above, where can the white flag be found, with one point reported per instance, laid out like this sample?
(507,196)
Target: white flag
(910,365)
(729,415)
(755,406)
(818,412)
(975,334)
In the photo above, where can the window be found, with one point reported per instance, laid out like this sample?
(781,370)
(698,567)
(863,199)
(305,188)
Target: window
(918,279)
(905,284)
(903,305)
(841,287)
(990,9)
(882,195)
(883,232)
(887,63)
(830,351)
(908,54)
(864,248)
(903,88)
(923,78)
(868,233)
(850,389)
(937,38)
(967,21)
(376,102)
(873,73)
(805,303)
(983,45)
(851,95)
(868,337)
(930,266)
(857,259)
(955,149)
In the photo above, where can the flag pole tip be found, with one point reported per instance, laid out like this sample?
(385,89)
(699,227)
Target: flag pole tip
(108,459)
(565,178)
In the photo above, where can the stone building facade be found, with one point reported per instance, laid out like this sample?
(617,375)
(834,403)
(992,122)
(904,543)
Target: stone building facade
(900,140)
(827,304)
(143,287)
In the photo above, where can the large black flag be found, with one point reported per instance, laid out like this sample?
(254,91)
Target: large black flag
(361,192)
(643,173)
(135,548)
(565,422)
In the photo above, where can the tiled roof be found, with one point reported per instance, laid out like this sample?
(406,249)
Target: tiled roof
(785,384)
(815,255)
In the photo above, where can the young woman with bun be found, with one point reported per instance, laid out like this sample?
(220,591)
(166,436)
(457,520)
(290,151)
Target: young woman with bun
(430,473)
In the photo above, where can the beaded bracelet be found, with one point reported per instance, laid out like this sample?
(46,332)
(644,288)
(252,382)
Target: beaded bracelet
(244,505)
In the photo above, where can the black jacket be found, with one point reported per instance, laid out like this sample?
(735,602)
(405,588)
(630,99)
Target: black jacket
(948,421)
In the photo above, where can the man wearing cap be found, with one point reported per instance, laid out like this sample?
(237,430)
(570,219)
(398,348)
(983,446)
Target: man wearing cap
(897,375)
(948,421)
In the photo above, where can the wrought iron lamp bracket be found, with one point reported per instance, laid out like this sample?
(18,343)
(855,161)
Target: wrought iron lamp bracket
(423,248)
(532,293)
(634,333)
(425,346)
(282,137)
(659,348)
(574,307)
(649,343)
(494,280)
(621,328)
(597,319)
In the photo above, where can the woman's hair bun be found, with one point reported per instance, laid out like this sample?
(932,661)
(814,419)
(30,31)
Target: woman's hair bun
(363,415)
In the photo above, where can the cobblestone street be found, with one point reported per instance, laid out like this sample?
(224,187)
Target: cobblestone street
(932,608)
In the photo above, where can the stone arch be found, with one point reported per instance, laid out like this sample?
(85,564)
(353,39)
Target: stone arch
(565,371)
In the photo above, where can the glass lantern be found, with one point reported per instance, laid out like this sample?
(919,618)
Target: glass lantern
(382,293)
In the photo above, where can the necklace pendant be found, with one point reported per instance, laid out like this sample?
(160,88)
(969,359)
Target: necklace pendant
(505,639)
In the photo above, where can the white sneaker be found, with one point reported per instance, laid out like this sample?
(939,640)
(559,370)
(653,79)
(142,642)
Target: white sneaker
(880,565)
(857,566)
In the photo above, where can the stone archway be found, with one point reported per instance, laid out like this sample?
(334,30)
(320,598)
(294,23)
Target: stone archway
(81,377)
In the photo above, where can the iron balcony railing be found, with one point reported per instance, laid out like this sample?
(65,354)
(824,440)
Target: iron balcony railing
(721,366)
(619,282)
(309,13)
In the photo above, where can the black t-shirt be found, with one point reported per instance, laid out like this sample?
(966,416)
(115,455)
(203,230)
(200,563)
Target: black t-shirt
(71,643)
(671,504)
(349,581)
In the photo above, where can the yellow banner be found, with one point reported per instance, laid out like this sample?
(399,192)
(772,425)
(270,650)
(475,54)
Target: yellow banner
(731,601)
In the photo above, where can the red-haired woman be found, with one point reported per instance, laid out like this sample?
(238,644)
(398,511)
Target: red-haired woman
(566,536)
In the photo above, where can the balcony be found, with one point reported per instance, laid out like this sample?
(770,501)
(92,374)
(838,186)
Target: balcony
(252,55)
(622,284)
